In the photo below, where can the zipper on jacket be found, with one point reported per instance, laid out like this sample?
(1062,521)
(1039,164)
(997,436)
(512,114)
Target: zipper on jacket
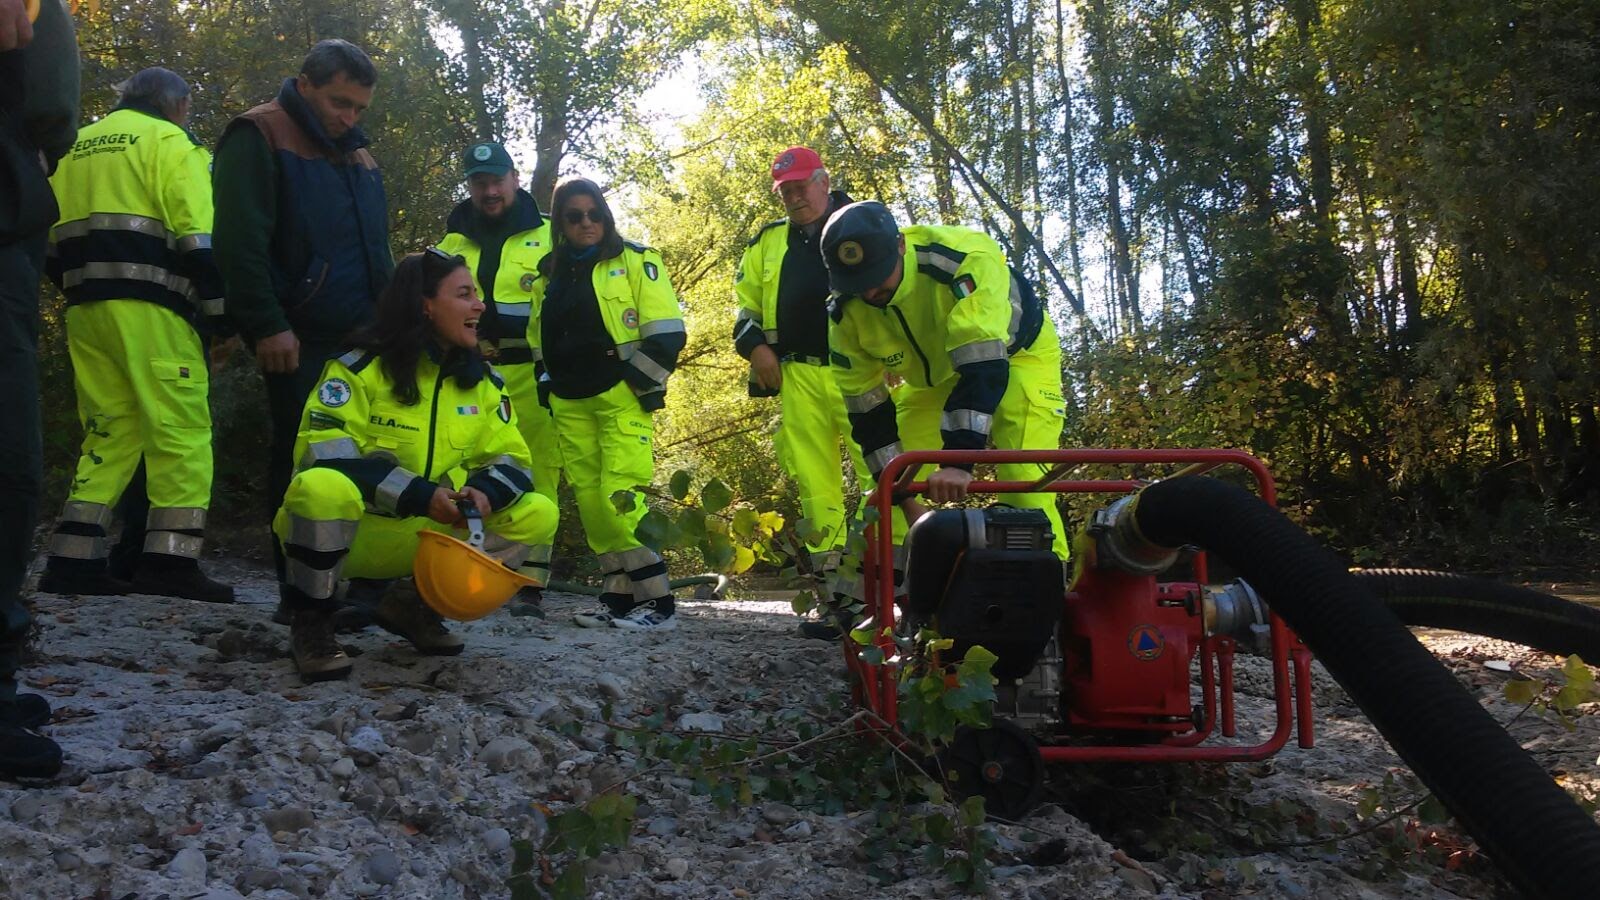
(927,369)
(433,421)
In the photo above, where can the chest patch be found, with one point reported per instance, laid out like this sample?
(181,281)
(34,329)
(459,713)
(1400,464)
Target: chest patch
(334,392)
(527,282)
(617,271)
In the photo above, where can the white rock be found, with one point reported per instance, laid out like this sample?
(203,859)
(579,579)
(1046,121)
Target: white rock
(496,840)
(188,865)
(678,868)
(612,686)
(369,739)
(344,767)
(504,754)
(700,722)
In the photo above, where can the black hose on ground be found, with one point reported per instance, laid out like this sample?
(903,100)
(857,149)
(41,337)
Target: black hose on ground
(1547,846)
(1476,606)
(578,587)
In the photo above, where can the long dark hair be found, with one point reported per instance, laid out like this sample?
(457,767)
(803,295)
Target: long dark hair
(400,331)
(559,260)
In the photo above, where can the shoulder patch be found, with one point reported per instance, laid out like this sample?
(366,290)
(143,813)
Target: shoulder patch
(836,307)
(503,411)
(495,378)
(651,270)
(319,419)
(636,247)
(357,359)
(334,392)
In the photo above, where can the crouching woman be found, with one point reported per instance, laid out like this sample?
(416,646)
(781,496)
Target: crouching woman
(388,429)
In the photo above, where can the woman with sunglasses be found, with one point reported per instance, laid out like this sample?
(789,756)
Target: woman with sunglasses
(610,332)
(392,428)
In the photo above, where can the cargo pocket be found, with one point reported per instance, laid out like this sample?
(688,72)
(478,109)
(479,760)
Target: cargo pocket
(181,388)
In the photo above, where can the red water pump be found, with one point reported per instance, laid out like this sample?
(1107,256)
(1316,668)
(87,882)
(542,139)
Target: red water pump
(1115,665)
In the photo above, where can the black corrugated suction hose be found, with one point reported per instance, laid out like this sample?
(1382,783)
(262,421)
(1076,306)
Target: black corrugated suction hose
(1546,845)
(1476,606)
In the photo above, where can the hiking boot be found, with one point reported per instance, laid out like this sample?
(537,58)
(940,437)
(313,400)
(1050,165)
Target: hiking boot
(645,618)
(529,602)
(61,578)
(317,654)
(184,579)
(402,612)
(25,753)
(28,711)
(599,617)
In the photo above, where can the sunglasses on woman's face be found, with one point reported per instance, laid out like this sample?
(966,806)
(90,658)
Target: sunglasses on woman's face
(574,216)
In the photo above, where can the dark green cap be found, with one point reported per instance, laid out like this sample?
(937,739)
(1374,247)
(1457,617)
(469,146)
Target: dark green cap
(488,156)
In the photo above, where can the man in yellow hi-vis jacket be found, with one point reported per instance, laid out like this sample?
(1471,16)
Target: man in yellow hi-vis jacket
(972,344)
(132,253)
(782,328)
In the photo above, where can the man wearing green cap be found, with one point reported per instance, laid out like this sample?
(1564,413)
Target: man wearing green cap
(938,306)
(499,230)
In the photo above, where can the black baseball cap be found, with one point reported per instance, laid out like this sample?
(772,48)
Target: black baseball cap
(487,156)
(860,245)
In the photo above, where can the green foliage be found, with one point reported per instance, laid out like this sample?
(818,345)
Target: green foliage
(1559,697)
(576,836)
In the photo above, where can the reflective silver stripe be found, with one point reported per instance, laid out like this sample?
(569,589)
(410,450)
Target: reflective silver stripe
(771,335)
(510,553)
(172,543)
(386,497)
(627,349)
(86,513)
(745,315)
(176,518)
(511,486)
(78,546)
(610,563)
(650,368)
(937,260)
(616,583)
(519,309)
(191,242)
(848,586)
(332,448)
(318,584)
(128,271)
(880,457)
(824,561)
(661,326)
(502,460)
(213,306)
(538,571)
(322,535)
(538,355)
(1016,311)
(508,343)
(977,351)
(654,587)
(744,328)
(113,222)
(637,558)
(966,420)
(354,356)
(871,400)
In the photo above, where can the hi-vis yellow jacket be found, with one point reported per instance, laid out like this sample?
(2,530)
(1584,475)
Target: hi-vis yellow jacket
(518,284)
(396,453)
(135,198)
(957,318)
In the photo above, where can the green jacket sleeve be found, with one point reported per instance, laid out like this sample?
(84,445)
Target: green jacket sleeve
(245,188)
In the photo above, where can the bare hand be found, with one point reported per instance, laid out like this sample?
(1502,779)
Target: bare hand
(765,367)
(948,485)
(478,499)
(278,354)
(222,351)
(442,507)
(16,30)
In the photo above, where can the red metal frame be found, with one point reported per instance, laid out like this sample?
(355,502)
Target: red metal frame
(875,686)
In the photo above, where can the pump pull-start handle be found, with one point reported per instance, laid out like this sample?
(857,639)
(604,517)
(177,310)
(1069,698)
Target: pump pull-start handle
(474,521)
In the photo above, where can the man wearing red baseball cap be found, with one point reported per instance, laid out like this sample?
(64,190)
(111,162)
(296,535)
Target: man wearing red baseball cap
(782,328)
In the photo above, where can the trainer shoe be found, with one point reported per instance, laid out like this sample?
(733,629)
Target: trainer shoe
(317,654)
(599,617)
(402,612)
(645,618)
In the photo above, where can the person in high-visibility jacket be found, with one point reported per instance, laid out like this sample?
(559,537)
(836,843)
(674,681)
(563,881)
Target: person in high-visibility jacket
(379,438)
(610,330)
(972,345)
(132,253)
(502,236)
(782,327)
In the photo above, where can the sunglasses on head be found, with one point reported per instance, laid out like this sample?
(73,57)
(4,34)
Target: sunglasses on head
(574,216)
(442,256)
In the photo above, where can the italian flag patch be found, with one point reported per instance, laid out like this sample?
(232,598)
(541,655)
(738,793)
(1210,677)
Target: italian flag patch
(466,410)
(964,286)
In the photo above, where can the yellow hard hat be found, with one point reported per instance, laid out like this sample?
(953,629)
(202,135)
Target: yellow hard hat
(458,580)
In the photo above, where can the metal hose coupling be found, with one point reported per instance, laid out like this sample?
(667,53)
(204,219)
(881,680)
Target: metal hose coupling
(1119,543)
(1237,611)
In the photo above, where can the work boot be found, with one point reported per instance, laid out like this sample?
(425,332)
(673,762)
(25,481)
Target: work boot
(25,753)
(402,612)
(317,654)
(27,711)
(79,576)
(529,602)
(178,576)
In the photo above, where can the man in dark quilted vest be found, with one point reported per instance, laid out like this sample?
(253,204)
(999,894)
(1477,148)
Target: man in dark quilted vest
(301,233)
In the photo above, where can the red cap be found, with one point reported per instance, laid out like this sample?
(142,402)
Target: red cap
(794,164)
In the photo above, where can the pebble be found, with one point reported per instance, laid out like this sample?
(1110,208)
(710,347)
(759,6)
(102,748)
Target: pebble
(778,813)
(368,739)
(419,868)
(662,826)
(800,829)
(709,722)
(259,850)
(218,734)
(1137,880)
(188,865)
(344,767)
(677,868)
(67,861)
(617,864)
(611,686)
(253,801)
(1000,872)
(26,808)
(259,878)
(289,818)
(1292,888)
(383,867)
(504,754)
(496,840)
